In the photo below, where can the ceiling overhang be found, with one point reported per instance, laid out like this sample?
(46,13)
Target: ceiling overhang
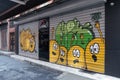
(15,7)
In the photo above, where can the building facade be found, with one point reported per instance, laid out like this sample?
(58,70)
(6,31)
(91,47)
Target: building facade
(76,33)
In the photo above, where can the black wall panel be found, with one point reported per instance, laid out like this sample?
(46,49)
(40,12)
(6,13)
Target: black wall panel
(112,29)
(16,40)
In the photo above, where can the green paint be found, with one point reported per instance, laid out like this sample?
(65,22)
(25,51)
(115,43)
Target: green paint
(72,33)
(96,16)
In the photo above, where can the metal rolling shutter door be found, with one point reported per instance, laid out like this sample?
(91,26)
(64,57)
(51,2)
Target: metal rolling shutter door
(28,39)
(83,47)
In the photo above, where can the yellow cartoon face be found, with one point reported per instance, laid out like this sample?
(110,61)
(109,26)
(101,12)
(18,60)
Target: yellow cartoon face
(62,56)
(27,40)
(95,52)
(54,51)
(76,57)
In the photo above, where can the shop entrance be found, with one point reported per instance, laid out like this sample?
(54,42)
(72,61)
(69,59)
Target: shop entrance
(44,41)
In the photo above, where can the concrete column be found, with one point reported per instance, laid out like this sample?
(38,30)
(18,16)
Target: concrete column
(8,35)
(0,38)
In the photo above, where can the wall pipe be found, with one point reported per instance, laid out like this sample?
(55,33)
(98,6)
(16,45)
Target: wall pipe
(60,8)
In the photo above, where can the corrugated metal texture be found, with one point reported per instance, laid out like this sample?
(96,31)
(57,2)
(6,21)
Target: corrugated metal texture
(73,41)
(83,16)
(3,36)
(28,40)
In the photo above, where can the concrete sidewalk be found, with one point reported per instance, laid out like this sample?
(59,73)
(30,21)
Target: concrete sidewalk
(7,53)
(68,70)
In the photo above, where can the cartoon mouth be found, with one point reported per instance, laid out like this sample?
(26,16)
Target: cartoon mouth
(61,59)
(53,53)
(94,57)
(76,61)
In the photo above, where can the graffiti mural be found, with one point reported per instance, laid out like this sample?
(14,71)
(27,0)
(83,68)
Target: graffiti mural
(76,44)
(95,50)
(71,39)
(27,40)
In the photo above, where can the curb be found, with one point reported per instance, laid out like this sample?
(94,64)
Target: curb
(79,72)
(6,53)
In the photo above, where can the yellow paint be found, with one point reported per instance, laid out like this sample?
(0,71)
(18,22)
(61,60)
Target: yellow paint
(31,44)
(62,56)
(97,25)
(54,51)
(94,53)
(76,57)
(27,40)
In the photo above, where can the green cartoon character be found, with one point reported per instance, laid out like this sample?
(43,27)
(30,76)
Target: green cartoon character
(61,34)
(73,33)
(80,35)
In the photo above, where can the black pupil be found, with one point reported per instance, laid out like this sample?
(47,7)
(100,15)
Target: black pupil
(94,49)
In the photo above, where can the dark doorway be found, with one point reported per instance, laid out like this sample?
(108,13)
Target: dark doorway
(12,41)
(44,40)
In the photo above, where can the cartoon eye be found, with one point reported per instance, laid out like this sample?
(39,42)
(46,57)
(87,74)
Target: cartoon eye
(92,49)
(55,46)
(76,53)
(62,53)
(96,48)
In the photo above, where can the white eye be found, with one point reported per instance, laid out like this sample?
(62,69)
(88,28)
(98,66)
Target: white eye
(62,53)
(78,53)
(91,49)
(96,48)
(74,53)
(55,46)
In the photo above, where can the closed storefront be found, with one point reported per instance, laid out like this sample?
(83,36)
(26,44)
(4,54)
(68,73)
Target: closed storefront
(28,39)
(77,39)
(78,34)
(3,36)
